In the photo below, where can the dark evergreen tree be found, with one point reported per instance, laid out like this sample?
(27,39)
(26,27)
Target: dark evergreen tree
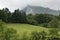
(23,15)
(5,14)
(16,16)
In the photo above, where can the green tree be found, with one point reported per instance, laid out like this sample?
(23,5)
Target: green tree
(23,15)
(5,14)
(19,16)
(54,23)
(43,18)
(16,16)
(31,19)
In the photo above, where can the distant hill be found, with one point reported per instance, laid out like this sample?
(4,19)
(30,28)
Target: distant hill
(38,9)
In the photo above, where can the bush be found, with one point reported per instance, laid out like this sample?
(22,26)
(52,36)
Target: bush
(53,35)
(7,33)
(11,34)
(38,35)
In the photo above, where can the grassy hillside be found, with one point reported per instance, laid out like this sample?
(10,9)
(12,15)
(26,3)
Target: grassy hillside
(22,28)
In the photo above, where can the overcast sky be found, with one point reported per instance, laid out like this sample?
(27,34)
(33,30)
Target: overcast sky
(14,4)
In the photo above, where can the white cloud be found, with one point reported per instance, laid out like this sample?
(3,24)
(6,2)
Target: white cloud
(13,4)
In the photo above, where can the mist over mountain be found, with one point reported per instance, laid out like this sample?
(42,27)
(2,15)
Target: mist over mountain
(38,9)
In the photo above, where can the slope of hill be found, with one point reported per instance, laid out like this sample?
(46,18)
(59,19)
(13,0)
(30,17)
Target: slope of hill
(38,9)
(27,29)
(22,28)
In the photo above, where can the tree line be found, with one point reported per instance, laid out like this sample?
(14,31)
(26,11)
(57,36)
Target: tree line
(19,16)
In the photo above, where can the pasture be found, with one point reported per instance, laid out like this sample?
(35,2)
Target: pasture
(26,28)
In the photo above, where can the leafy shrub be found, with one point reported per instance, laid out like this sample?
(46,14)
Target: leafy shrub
(38,35)
(7,33)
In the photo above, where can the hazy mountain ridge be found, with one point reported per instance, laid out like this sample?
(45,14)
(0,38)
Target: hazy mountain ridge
(39,9)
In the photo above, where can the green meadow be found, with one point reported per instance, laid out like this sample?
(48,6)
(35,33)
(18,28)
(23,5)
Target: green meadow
(22,28)
(27,29)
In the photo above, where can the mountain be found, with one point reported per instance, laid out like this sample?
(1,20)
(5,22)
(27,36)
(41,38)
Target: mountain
(38,9)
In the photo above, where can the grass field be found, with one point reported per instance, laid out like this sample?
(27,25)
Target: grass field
(27,29)
(22,28)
